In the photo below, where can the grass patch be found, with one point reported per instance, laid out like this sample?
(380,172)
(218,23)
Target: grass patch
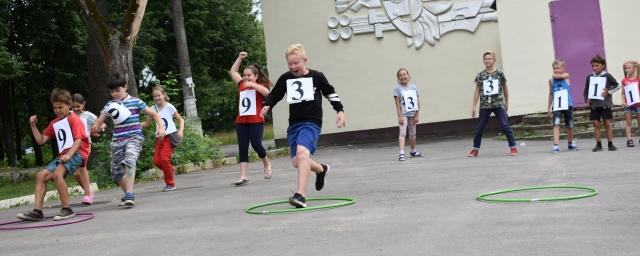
(230,137)
(9,189)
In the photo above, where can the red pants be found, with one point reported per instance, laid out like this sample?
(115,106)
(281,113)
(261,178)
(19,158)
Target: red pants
(162,159)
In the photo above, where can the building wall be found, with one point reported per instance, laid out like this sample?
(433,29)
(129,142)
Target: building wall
(363,68)
(527,47)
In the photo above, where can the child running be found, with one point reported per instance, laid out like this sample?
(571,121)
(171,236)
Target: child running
(407,101)
(253,86)
(88,118)
(128,138)
(560,104)
(597,93)
(73,144)
(630,96)
(304,88)
(164,145)
(491,85)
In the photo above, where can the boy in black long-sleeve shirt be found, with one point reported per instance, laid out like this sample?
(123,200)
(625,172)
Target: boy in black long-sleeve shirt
(597,93)
(304,88)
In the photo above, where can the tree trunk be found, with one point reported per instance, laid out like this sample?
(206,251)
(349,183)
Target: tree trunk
(8,139)
(37,150)
(191,112)
(16,120)
(114,44)
(122,61)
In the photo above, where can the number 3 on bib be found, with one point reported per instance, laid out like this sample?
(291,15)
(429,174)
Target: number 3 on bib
(410,99)
(490,87)
(299,90)
(560,100)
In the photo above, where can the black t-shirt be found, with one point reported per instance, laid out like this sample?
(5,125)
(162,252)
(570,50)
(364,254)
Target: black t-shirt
(305,111)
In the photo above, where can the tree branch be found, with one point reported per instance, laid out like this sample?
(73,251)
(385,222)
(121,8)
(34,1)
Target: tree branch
(133,20)
(96,25)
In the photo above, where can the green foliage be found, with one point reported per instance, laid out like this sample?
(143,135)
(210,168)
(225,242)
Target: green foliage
(217,30)
(192,149)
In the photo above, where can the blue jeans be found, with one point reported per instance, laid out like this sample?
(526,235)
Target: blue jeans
(483,119)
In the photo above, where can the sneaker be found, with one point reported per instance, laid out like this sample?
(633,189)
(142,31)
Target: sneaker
(611,147)
(127,202)
(34,215)
(65,213)
(88,200)
(597,148)
(555,149)
(416,154)
(168,188)
(298,201)
(514,151)
(320,177)
(401,157)
(573,146)
(630,143)
(473,153)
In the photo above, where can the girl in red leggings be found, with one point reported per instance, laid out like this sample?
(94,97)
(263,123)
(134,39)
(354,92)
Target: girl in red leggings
(164,146)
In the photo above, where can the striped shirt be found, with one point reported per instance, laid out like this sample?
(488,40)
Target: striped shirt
(131,126)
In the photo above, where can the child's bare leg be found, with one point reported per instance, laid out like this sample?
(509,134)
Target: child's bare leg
(401,142)
(569,134)
(556,134)
(41,187)
(305,164)
(608,128)
(126,183)
(82,176)
(243,170)
(596,130)
(412,143)
(61,185)
(638,119)
(627,128)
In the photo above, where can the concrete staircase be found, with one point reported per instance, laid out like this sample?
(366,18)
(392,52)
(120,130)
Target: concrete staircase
(538,127)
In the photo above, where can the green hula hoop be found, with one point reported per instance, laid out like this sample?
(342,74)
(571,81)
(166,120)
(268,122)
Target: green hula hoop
(346,201)
(485,197)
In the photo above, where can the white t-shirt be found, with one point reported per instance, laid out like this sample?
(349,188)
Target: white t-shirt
(166,115)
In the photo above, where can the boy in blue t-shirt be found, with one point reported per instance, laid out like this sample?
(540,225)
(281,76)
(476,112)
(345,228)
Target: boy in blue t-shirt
(560,104)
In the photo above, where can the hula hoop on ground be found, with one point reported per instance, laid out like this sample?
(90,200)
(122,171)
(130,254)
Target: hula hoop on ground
(485,197)
(3,226)
(346,201)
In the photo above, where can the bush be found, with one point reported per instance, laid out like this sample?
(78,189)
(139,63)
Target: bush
(193,149)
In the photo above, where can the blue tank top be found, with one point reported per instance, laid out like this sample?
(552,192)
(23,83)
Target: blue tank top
(561,84)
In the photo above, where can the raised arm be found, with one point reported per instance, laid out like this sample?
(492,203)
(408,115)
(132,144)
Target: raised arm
(40,139)
(236,66)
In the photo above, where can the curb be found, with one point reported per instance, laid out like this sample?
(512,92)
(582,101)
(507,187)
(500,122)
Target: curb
(30,199)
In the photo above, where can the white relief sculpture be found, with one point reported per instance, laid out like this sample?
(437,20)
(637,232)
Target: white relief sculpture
(419,20)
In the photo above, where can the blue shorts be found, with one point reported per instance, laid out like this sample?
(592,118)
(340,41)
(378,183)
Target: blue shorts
(72,165)
(303,134)
(568,117)
(631,110)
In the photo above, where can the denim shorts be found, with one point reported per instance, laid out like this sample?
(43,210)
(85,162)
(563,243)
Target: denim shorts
(71,166)
(303,134)
(568,117)
(631,110)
